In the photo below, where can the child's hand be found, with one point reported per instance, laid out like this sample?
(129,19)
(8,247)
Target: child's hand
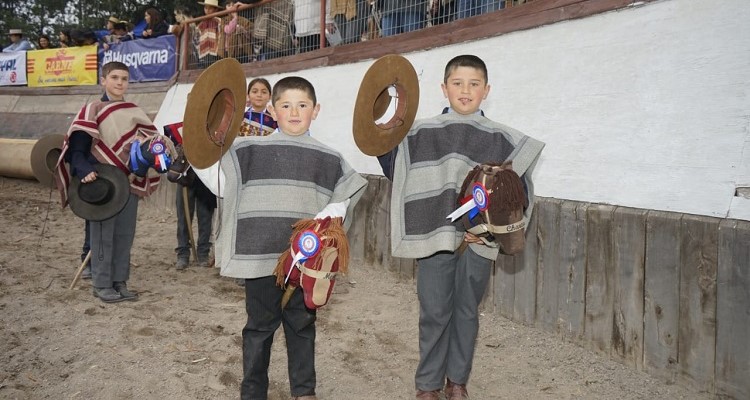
(471,238)
(90,177)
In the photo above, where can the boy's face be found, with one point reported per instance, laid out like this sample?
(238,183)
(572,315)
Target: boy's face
(294,111)
(115,84)
(465,89)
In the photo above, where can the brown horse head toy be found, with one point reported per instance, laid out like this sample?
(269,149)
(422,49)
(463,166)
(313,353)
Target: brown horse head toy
(500,199)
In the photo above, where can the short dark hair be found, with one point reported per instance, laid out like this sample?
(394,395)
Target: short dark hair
(113,66)
(465,60)
(263,81)
(293,83)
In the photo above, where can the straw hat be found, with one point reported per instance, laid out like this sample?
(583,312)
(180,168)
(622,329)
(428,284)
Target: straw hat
(113,20)
(44,156)
(386,105)
(214,3)
(102,198)
(15,32)
(213,113)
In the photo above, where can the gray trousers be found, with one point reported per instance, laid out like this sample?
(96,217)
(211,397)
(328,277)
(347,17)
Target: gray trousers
(450,287)
(111,241)
(197,204)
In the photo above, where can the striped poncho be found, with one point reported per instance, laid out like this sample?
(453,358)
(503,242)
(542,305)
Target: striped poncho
(432,162)
(271,183)
(113,126)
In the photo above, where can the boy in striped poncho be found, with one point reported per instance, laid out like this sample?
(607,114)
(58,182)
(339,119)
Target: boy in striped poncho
(102,132)
(271,183)
(427,169)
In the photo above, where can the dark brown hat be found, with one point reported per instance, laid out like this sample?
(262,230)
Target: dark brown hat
(386,105)
(103,198)
(214,112)
(44,156)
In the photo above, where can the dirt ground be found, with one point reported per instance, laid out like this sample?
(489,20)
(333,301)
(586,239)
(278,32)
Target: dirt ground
(182,339)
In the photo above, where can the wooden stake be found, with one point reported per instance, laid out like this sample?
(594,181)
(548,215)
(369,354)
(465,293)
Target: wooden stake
(80,270)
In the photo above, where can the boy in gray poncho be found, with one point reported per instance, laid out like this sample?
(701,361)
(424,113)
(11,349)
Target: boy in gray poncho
(427,169)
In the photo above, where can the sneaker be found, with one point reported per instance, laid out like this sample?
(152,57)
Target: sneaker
(122,289)
(108,295)
(182,263)
(86,274)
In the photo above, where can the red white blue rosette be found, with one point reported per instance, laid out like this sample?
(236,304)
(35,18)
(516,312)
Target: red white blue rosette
(309,245)
(474,204)
(161,159)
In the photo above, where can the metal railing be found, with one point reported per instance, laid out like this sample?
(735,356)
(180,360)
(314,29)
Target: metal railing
(277,28)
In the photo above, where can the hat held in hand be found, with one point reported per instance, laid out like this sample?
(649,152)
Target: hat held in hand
(214,111)
(386,105)
(44,156)
(104,197)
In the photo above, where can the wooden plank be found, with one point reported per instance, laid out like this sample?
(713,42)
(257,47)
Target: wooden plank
(524,302)
(356,232)
(368,201)
(382,225)
(504,285)
(662,293)
(571,304)
(548,227)
(697,326)
(629,241)
(599,277)
(733,310)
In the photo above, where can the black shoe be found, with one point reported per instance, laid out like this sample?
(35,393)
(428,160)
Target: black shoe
(205,261)
(86,274)
(122,289)
(182,263)
(108,295)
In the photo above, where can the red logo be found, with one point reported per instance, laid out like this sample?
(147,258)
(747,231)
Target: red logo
(13,77)
(59,64)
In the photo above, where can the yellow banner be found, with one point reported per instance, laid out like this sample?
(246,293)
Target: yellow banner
(70,66)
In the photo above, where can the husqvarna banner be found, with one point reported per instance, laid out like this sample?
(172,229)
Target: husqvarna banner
(69,66)
(147,59)
(13,68)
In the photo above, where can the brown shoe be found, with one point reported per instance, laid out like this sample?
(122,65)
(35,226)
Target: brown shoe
(428,395)
(455,391)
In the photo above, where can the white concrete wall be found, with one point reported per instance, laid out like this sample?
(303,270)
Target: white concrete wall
(646,107)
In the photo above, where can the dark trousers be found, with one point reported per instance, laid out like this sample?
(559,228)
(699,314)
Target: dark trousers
(111,241)
(201,202)
(450,287)
(264,315)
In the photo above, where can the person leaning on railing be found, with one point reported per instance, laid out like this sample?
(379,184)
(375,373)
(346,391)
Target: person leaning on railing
(155,24)
(238,33)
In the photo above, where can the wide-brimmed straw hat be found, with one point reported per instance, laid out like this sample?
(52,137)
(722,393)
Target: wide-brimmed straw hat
(213,113)
(113,19)
(15,32)
(386,105)
(44,156)
(103,198)
(214,3)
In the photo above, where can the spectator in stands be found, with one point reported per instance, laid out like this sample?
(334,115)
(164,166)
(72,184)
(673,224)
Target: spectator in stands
(155,24)
(110,24)
(44,42)
(307,23)
(401,16)
(273,30)
(64,37)
(17,42)
(209,34)
(238,35)
(119,34)
(82,37)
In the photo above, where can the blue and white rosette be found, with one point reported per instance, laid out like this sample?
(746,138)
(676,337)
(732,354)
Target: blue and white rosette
(309,245)
(474,204)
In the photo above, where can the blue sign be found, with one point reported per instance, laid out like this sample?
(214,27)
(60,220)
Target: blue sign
(147,59)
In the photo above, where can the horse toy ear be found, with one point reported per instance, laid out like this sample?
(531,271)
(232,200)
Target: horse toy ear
(500,197)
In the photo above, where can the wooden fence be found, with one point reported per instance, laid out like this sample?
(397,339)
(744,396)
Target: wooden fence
(666,293)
